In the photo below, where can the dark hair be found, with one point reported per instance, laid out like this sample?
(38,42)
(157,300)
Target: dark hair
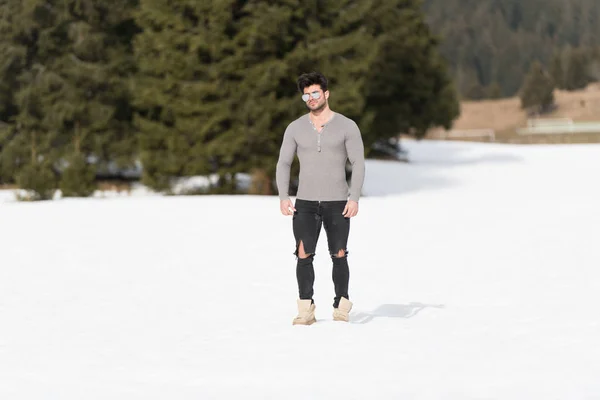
(312,78)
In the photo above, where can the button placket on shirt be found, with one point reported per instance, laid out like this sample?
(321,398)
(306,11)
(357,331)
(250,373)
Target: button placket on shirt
(318,135)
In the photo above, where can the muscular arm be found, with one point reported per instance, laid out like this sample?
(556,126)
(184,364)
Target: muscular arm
(284,164)
(356,156)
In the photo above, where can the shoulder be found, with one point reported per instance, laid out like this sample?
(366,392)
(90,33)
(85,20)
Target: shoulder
(346,123)
(295,124)
(298,121)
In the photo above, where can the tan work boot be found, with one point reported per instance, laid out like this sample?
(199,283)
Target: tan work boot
(342,312)
(306,313)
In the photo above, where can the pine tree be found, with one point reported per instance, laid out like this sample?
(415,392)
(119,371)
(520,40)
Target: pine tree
(537,94)
(557,71)
(78,177)
(178,87)
(494,91)
(88,105)
(576,69)
(39,180)
(408,85)
(12,61)
(71,88)
(32,149)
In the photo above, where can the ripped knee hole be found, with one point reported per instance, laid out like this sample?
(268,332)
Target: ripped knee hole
(340,254)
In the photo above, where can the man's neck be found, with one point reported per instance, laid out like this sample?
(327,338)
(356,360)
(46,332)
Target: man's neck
(321,116)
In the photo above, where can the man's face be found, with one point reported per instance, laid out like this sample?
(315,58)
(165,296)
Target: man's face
(316,104)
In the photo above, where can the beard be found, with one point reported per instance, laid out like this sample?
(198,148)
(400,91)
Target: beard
(318,106)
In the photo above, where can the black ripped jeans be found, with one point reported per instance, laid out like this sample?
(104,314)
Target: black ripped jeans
(308,219)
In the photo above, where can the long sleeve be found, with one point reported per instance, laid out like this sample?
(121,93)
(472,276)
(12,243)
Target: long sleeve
(356,156)
(284,164)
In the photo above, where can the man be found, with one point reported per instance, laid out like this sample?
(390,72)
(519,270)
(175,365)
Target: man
(324,140)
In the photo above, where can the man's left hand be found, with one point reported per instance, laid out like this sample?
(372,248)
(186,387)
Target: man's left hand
(351,209)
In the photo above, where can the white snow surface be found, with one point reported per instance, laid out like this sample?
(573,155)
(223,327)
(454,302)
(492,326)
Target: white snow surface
(475,274)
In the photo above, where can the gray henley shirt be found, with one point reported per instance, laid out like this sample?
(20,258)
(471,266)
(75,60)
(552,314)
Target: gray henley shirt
(322,157)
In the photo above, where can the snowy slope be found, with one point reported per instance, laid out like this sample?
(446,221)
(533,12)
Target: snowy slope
(475,273)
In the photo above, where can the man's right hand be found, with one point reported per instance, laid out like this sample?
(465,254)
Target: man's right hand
(287,208)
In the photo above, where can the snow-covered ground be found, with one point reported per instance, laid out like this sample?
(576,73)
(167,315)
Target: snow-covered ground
(475,274)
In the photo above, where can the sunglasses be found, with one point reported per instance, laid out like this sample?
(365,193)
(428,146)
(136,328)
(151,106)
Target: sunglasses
(314,95)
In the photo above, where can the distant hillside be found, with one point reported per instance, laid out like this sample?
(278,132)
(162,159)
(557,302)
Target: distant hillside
(490,44)
(504,116)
